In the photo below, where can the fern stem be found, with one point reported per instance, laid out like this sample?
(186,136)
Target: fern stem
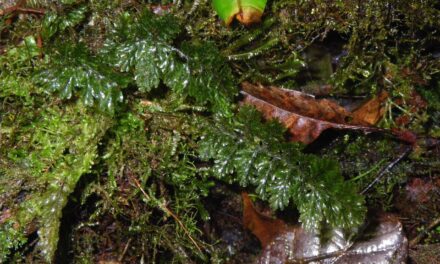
(255,52)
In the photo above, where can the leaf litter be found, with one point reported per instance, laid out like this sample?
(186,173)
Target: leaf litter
(306,117)
(382,241)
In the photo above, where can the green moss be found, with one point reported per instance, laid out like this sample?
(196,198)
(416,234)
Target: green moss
(62,147)
(155,149)
(150,99)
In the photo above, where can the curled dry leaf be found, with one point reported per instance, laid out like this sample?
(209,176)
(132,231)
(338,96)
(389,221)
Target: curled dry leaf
(383,242)
(371,111)
(304,116)
(266,229)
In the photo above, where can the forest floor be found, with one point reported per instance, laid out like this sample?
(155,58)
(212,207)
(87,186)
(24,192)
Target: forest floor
(208,132)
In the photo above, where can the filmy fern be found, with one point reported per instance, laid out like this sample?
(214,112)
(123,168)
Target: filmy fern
(54,22)
(253,153)
(211,77)
(74,71)
(143,45)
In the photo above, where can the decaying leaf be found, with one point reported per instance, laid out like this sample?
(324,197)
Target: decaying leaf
(371,111)
(265,228)
(383,241)
(304,116)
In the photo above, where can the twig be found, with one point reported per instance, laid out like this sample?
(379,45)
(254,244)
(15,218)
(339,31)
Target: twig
(385,169)
(19,9)
(194,6)
(124,251)
(168,211)
(422,234)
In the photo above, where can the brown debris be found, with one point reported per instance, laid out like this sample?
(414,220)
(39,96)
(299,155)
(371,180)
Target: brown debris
(383,243)
(304,116)
(371,111)
(265,228)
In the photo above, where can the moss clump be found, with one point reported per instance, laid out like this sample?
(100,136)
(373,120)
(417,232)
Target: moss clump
(123,114)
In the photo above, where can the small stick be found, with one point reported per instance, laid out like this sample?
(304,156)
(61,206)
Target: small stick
(168,211)
(385,169)
(422,234)
(19,9)
(124,251)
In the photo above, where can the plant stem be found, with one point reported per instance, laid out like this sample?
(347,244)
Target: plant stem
(249,37)
(255,52)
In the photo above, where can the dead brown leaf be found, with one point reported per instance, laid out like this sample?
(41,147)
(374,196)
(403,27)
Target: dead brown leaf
(304,116)
(263,227)
(384,241)
(371,111)
(5,215)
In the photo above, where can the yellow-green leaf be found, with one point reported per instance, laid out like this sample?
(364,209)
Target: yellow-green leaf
(246,11)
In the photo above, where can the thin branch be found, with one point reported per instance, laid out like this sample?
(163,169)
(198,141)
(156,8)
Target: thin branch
(255,52)
(422,234)
(385,169)
(124,251)
(169,212)
(19,9)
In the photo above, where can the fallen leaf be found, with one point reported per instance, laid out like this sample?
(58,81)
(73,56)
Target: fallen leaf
(304,116)
(414,104)
(263,227)
(384,241)
(371,111)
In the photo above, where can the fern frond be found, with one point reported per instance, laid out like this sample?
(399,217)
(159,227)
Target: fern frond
(143,45)
(211,77)
(249,152)
(74,71)
(54,23)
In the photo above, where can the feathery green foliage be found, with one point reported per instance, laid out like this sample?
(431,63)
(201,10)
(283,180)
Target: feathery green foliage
(143,45)
(164,76)
(54,150)
(73,70)
(211,77)
(252,153)
(55,23)
(15,65)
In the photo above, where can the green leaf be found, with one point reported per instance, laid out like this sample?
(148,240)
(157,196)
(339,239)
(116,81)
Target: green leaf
(142,45)
(211,77)
(246,11)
